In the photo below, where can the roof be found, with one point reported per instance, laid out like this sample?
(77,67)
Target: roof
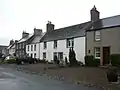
(10,46)
(66,32)
(2,47)
(25,38)
(107,22)
(35,39)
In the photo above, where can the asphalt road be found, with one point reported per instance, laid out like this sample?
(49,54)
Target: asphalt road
(15,80)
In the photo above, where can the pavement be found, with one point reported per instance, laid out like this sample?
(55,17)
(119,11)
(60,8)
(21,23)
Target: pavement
(11,79)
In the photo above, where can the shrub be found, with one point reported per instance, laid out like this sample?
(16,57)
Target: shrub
(72,57)
(10,61)
(115,60)
(91,61)
(42,61)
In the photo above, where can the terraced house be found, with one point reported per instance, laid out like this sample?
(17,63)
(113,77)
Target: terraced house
(56,42)
(33,46)
(21,45)
(103,38)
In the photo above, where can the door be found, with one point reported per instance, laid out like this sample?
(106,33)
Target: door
(60,55)
(106,55)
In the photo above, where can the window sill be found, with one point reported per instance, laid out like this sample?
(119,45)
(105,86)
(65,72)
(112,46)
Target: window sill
(97,57)
(97,40)
(69,47)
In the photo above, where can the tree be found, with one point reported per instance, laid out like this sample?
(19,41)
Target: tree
(66,62)
(72,57)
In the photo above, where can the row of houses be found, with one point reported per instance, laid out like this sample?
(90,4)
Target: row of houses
(97,37)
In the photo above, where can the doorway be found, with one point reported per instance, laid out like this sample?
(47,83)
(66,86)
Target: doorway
(106,55)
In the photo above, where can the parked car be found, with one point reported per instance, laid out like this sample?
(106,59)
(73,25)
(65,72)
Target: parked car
(27,60)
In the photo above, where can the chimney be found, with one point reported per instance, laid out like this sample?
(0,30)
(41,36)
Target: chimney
(49,26)
(94,14)
(24,34)
(37,31)
(11,42)
(16,41)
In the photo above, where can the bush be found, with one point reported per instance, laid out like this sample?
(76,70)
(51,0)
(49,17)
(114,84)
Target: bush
(10,61)
(91,61)
(115,60)
(72,57)
(42,61)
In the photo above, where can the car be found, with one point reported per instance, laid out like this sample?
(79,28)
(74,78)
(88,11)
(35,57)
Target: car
(27,60)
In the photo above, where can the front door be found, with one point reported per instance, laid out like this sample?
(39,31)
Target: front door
(106,55)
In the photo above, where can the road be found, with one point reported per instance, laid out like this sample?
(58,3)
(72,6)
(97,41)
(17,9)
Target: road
(15,80)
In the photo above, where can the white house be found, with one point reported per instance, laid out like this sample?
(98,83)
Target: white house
(32,46)
(58,41)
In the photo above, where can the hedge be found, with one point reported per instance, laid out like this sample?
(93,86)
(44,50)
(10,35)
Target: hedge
(115,60)
(91,61)
(10,61)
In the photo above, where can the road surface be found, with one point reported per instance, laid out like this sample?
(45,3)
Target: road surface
(15,80)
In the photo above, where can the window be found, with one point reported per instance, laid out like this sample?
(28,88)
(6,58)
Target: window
(34,47)
(31,47)
(55,44)
(97,35)
(60,55)
(45,45)
(97,52)
(28,47)
(19,46)
(34,55)
(31,55)
(70,43)
(23,45)
(44,55)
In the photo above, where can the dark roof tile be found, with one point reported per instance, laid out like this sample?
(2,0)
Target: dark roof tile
(67,32)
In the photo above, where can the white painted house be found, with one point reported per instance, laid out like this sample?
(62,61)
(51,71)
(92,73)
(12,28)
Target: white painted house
(32,46)
(58,41)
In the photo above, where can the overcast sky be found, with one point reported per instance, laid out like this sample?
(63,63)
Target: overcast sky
(19,15)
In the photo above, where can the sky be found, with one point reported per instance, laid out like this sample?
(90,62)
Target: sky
(19,15)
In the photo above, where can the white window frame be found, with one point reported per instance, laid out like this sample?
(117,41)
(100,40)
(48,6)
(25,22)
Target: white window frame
(35,47)
(97,52)
(45,45)
(97,35)
(70,41)
(34,55)
(31,47)
(55,44)
(28,47)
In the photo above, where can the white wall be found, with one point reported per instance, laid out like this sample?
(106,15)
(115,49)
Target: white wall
(79,47)
(37,50)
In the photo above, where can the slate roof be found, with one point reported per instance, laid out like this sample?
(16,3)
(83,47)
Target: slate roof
(107,22)
(79,29)
(25,38)
(67,32)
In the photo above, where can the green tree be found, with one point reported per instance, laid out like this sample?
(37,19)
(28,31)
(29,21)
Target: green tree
(72,57)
